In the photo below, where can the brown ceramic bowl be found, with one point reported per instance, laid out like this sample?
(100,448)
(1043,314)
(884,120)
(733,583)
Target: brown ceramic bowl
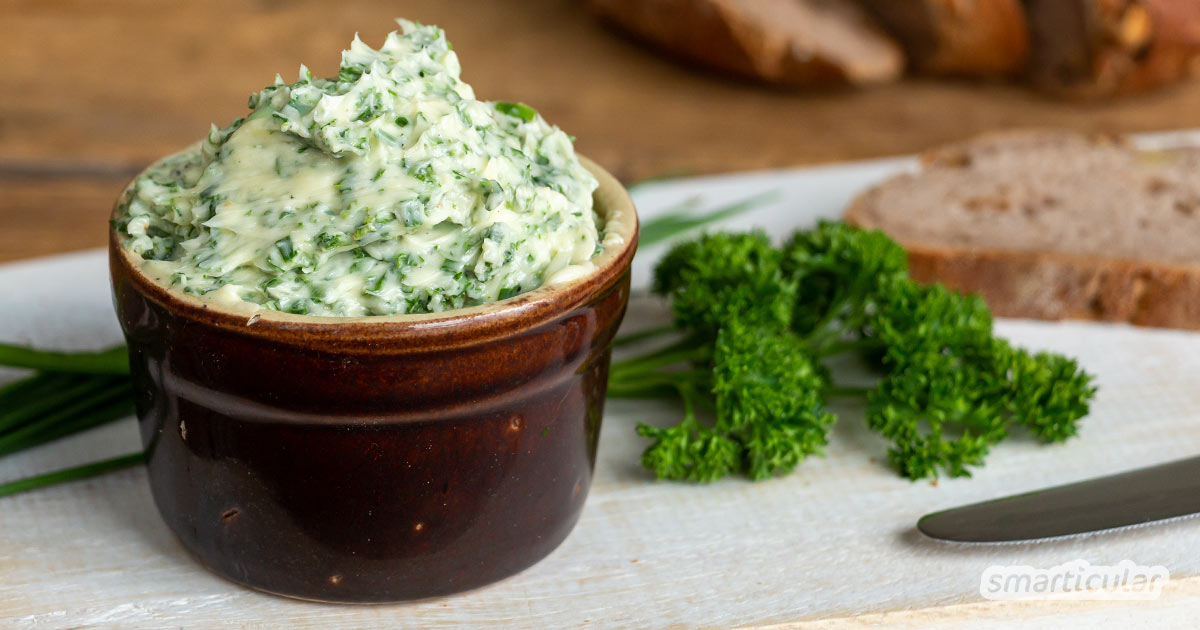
(375,459)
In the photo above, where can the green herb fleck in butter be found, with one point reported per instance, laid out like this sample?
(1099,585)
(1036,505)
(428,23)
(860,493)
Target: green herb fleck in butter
(387,189)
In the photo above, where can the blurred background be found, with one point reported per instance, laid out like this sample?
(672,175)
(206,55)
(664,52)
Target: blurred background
(96,89)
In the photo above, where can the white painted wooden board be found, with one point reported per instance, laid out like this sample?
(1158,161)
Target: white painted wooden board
(833,540)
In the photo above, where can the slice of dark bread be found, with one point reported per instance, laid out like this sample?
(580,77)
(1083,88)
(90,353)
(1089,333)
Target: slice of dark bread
(1051,225)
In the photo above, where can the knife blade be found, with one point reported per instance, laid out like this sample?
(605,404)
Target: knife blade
(1130,498)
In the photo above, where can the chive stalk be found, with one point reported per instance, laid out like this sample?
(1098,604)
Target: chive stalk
(15,388)
(684,218)
(111,406)
(20,393)
(111,361)
(80,389)
(71,474)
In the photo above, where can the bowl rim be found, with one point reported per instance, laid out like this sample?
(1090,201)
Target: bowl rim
(441,329)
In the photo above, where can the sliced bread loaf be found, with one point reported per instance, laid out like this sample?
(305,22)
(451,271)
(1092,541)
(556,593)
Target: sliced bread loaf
(1098,48)
(789,42)
(1051,225)
(976,38)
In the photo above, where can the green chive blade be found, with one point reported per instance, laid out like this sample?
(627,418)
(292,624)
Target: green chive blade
(71,474)
(676,222)
(111,361)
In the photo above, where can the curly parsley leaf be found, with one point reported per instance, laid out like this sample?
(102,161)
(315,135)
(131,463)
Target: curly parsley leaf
(757,321)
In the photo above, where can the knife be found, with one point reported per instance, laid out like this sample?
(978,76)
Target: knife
(1130,498)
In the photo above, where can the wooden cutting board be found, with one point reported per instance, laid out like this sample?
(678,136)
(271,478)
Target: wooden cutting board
(831,546)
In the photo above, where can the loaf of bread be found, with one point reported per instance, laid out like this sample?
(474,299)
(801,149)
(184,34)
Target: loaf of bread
(789,42)
(975,38)
(1099,48)
(1051,225)
(1072,48)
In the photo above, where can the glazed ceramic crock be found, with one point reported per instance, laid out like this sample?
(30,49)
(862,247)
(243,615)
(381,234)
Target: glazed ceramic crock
(378,458)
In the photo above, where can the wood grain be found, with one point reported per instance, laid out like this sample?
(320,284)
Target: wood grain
(94,89)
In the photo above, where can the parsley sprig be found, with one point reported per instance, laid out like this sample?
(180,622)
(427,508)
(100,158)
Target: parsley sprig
(756,325)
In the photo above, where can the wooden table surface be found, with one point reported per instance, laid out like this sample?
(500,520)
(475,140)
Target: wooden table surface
(95,89)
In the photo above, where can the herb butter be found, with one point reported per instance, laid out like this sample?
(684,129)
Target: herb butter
(387,189)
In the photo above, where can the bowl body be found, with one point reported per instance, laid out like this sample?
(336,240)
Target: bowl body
(374,459)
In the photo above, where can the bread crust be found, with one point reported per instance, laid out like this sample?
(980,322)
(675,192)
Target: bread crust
(977,38)
(956,154)
(733,37)
(1100,48)
(1048,285)
(1057,286)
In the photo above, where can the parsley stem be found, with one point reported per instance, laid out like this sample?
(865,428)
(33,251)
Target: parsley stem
(848,392)
(839,347)
(642,335)
(71,474)
(651,384)
(111,361)
(682,350)
(658,390)
(655,376)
